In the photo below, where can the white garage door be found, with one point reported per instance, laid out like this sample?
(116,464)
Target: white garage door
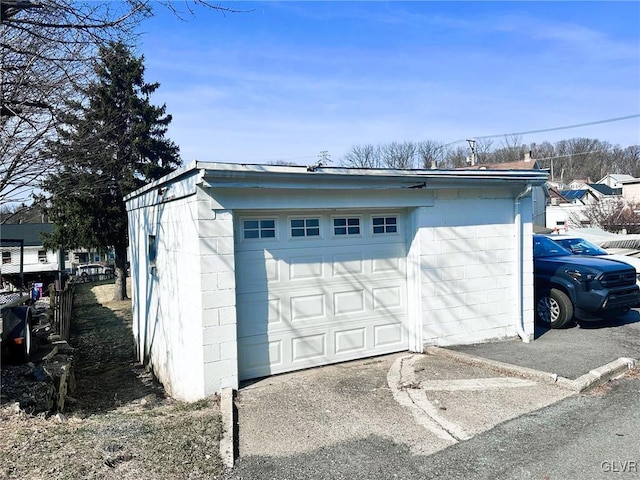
(318,287)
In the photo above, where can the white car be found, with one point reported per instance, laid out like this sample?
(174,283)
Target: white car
(93,269)
(580,246)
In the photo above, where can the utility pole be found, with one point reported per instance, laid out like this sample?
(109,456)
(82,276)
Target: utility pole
(472,146)
(323,158)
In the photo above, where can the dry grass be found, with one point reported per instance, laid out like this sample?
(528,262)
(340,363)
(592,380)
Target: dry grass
(120,426)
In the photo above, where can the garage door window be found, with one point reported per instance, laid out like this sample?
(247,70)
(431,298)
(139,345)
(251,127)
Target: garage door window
(259,228)
(346,226)
(305,227)
(382,225)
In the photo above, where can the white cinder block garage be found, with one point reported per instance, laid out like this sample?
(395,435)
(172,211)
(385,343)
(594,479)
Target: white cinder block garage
(243,271)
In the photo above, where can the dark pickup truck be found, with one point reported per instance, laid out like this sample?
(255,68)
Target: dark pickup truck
(588,287)
(16,320)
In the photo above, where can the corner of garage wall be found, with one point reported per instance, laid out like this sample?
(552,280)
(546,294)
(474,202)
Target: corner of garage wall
(218,297)
(166,295)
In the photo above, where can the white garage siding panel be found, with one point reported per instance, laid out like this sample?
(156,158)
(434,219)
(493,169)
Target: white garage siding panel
(318,299)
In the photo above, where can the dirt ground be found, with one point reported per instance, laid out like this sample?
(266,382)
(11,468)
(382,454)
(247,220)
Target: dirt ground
(119,424)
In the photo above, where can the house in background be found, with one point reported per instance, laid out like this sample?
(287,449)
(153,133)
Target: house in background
(583,196)
(556,185)
(244,271)
(567,208)
(39,265)
(559,211)
(579,183)
(615,180)
(603,191)
(631,190)
(540,194)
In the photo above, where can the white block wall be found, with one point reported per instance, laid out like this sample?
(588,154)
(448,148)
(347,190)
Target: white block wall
(167,300)
(468,270)
(217,266)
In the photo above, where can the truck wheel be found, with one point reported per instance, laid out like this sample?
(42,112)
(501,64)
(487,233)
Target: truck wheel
(554,308)
(21,345)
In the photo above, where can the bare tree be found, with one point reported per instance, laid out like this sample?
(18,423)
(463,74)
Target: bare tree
(567,159)
(629,161)
(612,215)
(512,150)
(362,156)
(399,155)
(46,50)
(430,153)
(47,53)
(456,158)
(484,151)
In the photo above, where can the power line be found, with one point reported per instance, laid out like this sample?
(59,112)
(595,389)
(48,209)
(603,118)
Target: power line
(566,127)
(569,155)
(551,129)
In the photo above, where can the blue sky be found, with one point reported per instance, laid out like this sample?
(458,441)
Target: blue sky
(287,80)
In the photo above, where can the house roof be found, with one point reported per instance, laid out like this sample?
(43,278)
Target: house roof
(29,232)
(617,177)
(605,189)
(582,181)
(554,193)
(573,194)
(519,165)
(633,181)
(319,177)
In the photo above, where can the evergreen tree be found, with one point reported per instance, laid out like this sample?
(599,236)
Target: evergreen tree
(113,143)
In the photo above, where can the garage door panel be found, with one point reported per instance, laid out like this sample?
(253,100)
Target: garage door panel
(388,298)
(349,302)
(387,265)
(306,302)
(349,341)
(347,264)
(308,307)
(253,313)
(259,355)
(388,335)
(291,350)
(303,312)
(257,271)
(305,268)
(308,347)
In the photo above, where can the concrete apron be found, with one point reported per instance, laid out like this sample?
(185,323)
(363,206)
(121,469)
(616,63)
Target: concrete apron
(426,402)
(304,411)
(457,400)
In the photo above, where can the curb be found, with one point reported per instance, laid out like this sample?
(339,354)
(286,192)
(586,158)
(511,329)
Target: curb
(602,375)
(228,412)
(594,378)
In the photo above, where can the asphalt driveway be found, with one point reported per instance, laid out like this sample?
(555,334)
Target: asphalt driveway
(410,405)
(568,352)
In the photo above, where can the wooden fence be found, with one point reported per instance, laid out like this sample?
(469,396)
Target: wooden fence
(62,307)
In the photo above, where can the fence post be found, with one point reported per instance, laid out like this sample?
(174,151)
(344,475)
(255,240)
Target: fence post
(61,303)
